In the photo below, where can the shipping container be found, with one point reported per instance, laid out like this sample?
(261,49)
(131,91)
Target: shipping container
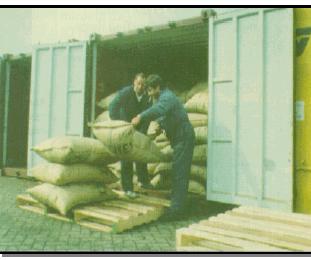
(14,114)
(248,58)
(79,74)
(2,82)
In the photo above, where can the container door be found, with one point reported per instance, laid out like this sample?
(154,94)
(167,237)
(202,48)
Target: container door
(17,112)
(57,93)
(250,146)
(2,91)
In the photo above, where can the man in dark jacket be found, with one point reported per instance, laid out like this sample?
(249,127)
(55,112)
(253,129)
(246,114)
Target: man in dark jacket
(129,102)
(173,118)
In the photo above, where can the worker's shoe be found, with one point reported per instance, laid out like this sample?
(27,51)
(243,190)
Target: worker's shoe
(131,194)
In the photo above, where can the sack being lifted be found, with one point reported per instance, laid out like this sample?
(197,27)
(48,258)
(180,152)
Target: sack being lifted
(103,117)
(104,103)
(126,143)
(74,149)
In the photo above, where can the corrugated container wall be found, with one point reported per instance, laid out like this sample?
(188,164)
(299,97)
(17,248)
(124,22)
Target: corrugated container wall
(2,82)
(58,83)
(303,110)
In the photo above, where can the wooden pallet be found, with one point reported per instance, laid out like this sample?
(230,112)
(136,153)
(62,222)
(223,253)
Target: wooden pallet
(26,202)
(118,215)
(248,229)
(15,172)
(113,216)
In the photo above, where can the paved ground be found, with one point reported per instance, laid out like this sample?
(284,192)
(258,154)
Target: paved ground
(26,231)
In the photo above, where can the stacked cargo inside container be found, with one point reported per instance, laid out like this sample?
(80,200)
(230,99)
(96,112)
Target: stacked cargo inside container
(15,95)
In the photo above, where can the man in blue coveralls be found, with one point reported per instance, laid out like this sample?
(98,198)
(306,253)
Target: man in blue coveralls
(129,102)
(173,118)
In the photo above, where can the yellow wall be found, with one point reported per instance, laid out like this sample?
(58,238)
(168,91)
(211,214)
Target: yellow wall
(303,108)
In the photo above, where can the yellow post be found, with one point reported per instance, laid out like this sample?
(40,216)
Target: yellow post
(303,110)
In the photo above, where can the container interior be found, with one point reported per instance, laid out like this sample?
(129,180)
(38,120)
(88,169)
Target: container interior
(17,112)
(178,53)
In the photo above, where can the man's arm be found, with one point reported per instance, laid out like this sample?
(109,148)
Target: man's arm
(158,110)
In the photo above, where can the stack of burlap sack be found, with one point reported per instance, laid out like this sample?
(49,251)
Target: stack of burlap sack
(75,172)
(104,104)
(82,170)
(196,104)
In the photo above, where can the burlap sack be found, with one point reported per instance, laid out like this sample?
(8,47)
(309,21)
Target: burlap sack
(196,187)
(200,135)
(115,168)
(182,96)
(151,132)
(72,149)
(200,154)
(162,181)
(161,138)
(162,145)
(104,103)
(202,86)
(164,167)
(199,173)
(168,152)
(60,174)
(196,172)
(64,198)
(198,103)
(197,120)
(103,117)
(128,144)
(151,168)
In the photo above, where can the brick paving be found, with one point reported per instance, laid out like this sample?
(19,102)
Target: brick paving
(26,231)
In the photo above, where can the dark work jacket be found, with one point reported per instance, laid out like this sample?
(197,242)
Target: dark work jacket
(125,106)
(171,115)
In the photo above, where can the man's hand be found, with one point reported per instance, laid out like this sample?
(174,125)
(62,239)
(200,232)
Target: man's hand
(136,120)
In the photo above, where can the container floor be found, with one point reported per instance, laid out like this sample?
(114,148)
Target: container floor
(22,231)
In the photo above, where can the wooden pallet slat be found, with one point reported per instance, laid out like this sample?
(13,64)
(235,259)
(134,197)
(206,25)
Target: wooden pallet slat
(26,199)
(282,226)
(116,219)
(145,199)
(208,226)
(227,241)
(248,229)
(26,202)
(263,228)
(96,226)
(216,246)
(194,248)
(268,215)
(15,172)
(114,216)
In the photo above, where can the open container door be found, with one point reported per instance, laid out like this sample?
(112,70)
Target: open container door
(250,144)
(2,99)
(57,101)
